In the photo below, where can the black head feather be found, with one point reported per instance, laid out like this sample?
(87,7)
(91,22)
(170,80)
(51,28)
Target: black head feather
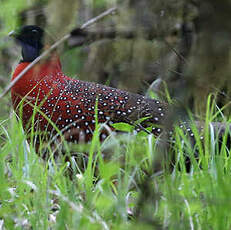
(31,39)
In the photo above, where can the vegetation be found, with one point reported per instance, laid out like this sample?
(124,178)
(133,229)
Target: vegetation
(130,181)
(104,192)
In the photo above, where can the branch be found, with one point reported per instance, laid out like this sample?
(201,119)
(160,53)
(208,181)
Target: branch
(55,45)
(80,36)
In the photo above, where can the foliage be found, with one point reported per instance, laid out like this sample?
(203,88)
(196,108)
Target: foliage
(42,194)
(100,186)
(9,13)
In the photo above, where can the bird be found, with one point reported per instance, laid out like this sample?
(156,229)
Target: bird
(50,102)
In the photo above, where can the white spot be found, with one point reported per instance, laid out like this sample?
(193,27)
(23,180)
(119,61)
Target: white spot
(103,136)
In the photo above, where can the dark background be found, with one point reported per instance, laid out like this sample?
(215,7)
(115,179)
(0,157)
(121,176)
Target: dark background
(183,43)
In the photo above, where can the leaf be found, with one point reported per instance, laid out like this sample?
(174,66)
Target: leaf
(121,126)
(141,120)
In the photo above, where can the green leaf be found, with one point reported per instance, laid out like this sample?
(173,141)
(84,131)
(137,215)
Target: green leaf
(121,126)
(142,119)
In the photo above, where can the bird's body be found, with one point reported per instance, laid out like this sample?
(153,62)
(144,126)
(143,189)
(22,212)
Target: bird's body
(69,104)
(49,102)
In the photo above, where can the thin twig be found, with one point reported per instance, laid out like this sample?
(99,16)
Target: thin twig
(56,44)
(97,18)
(44,54)
(178,54)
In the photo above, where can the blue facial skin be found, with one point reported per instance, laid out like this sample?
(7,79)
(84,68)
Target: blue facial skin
(29,53)
(30,38)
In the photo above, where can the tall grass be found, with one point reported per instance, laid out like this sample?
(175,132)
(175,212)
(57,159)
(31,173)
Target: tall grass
(102,194)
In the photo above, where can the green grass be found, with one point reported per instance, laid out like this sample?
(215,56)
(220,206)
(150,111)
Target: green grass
(103,194)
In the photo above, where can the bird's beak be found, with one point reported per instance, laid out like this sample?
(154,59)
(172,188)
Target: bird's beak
(12,33)
(15,35)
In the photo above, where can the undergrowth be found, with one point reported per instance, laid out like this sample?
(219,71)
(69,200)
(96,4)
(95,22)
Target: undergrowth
(100,184)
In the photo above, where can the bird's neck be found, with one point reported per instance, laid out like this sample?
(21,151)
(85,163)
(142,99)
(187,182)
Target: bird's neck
(42,68)
(49,67)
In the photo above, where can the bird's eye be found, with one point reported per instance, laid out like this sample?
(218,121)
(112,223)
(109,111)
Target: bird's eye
(34,31)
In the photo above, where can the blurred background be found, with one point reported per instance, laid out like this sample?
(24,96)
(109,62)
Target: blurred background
(179,44)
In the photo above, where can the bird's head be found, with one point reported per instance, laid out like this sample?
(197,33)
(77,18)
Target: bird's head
(31,39)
